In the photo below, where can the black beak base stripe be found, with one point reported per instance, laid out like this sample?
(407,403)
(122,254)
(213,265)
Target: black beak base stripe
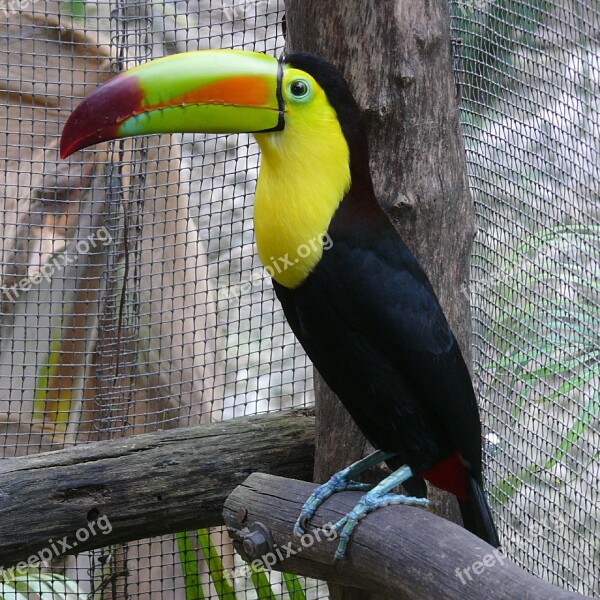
(279,93)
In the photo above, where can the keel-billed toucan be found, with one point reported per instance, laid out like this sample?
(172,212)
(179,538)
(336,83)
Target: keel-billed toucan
(362,307)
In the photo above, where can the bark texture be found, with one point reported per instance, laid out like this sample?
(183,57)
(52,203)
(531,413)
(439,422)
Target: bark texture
(399,552)
(397,57)
(142,486)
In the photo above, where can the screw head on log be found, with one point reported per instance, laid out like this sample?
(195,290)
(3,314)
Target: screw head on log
(257,541)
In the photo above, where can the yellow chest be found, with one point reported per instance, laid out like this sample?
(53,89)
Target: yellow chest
(303,178)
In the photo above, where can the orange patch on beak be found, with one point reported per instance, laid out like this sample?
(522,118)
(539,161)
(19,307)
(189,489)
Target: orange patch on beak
(236,91)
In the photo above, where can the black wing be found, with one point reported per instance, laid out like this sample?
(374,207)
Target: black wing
(373,327)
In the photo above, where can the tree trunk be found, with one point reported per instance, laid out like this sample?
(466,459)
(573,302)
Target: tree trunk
(397,57)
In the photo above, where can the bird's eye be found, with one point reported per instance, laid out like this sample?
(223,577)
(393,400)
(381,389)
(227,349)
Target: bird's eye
(300,89)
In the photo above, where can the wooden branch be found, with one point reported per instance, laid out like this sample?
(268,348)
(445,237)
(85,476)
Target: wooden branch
(403,551)
(142,486)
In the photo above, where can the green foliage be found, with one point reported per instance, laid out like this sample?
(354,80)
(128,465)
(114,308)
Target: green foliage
(262,585)
(547,344)
(189,566)
(294,589)
(215,566)
(75,9)
(190,552)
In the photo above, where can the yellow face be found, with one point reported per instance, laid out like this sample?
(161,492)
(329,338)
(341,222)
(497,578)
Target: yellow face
(304,175)
(305,170)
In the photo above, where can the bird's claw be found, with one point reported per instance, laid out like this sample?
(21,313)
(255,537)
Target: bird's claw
(338,483)
(368,503)
(301,525)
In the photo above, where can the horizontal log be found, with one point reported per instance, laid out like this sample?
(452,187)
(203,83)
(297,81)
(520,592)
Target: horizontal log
(144,485)
(403,551)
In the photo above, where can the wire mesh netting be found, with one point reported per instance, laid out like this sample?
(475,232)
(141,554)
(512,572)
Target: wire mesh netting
(530,114)
(133,299)
(132,296)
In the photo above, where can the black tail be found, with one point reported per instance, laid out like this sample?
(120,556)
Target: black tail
(477,516)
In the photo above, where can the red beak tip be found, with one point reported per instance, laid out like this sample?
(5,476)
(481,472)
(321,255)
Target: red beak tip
(66,149)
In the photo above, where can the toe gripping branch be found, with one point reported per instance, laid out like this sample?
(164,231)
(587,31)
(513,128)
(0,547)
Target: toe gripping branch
(377,497)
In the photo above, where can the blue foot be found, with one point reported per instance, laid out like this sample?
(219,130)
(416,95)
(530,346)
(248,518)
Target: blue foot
(340,482)
(378,497)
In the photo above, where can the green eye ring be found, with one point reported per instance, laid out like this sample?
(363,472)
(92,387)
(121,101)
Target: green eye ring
(300,90)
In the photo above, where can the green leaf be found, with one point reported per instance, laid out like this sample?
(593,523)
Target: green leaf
(189,567)
(294,587)
(262,585)
(587,414)
(74,9)
(506,489)
(218,574)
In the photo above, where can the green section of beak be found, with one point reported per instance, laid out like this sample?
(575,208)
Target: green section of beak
(209,91)
(199,118)
(219,91)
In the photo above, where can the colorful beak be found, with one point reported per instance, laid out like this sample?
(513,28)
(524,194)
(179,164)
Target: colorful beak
(208,91)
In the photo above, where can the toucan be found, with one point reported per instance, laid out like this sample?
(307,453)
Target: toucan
(351,290)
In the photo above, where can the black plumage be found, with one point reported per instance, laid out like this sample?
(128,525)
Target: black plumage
(370,321)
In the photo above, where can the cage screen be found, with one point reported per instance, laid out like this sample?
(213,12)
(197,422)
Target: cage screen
(132,296)
(529,74)
(133,300)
